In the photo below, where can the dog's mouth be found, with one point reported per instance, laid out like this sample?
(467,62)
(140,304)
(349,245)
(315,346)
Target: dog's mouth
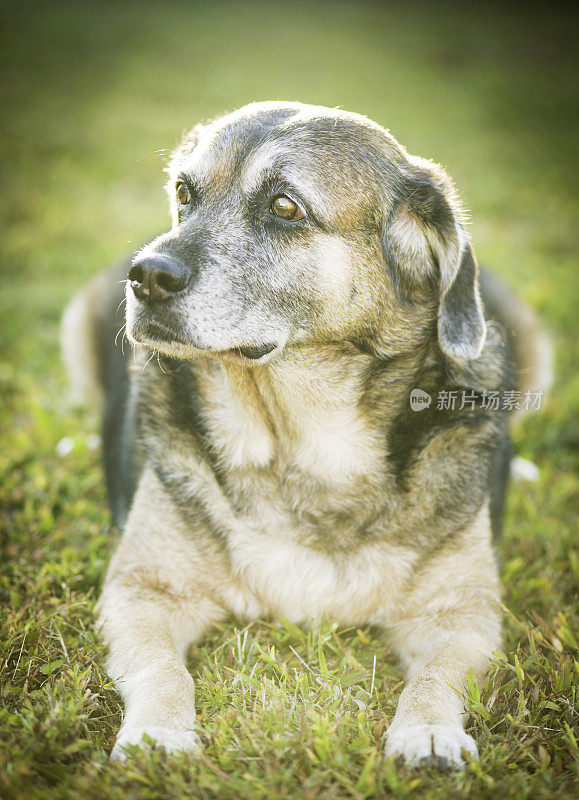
(258,351)
(153,333)
(249,353)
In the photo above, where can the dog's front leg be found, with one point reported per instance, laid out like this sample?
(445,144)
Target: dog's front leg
(147,634)
(152,607)
(451,623)
(427,728)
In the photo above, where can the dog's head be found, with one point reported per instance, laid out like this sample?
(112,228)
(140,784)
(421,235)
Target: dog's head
(297,224)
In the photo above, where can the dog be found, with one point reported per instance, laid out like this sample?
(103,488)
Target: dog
(262,453)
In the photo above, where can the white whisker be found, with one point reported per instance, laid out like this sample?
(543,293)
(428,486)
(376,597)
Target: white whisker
(121,329)
(151,357)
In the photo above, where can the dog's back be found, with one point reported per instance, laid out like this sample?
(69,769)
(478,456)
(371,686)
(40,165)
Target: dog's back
(98,363)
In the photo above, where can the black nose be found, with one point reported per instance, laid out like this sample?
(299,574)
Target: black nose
(158,277)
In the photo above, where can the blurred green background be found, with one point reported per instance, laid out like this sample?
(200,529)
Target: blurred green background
(93,96)
(94,93)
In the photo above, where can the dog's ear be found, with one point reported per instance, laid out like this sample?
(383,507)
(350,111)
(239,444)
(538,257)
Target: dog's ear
(425,245)
(461,324)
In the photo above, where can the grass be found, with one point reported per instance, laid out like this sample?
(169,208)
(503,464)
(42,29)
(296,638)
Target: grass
(90,94)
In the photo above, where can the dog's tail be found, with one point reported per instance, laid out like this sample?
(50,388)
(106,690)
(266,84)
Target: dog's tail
(526,337)
(532,356)
(91,336)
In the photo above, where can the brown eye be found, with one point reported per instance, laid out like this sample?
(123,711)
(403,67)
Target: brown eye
(183,194)
(285,208)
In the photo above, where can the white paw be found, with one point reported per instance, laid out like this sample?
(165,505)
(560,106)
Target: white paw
(430,745)
(173,740)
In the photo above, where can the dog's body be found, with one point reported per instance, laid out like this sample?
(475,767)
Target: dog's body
(268,463)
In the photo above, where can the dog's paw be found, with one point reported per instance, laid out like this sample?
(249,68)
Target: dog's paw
(172,740)
(430,745)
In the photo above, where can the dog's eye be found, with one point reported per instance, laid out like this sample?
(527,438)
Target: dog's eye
(285,208)
(183,194)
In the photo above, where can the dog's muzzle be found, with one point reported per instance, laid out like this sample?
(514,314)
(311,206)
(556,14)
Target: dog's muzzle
(155,280)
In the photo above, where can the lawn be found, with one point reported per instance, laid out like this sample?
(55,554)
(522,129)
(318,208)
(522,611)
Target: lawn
(92,96)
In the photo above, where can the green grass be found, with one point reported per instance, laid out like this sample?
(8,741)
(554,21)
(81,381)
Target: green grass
(90,93)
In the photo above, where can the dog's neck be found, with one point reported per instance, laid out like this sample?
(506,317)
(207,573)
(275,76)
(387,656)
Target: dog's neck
(326,408)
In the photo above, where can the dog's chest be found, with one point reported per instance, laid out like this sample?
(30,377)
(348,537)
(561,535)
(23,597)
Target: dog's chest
(299,548)
(276,575)
(313,470)
(298,498)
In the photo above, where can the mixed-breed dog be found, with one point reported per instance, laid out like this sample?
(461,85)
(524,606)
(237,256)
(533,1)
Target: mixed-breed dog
(262,454)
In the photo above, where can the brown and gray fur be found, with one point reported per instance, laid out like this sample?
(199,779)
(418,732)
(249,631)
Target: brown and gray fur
(266,462)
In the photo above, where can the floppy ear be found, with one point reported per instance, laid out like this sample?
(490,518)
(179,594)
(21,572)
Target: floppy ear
(425,243)
(461,324)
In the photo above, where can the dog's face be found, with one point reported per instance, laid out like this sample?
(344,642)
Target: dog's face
(296,224)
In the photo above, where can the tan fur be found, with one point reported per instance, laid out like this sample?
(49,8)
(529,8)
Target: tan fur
(76,343)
